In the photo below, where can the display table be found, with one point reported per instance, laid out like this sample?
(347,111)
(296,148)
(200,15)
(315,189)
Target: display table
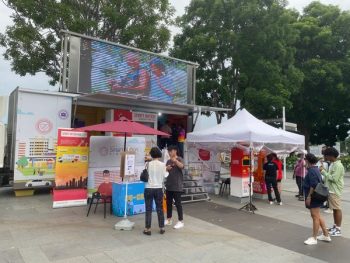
(136,201)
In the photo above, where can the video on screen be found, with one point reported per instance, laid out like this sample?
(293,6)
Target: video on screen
(113,69)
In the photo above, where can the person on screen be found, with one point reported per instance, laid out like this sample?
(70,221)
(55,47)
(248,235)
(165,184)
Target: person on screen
(162,86)
(136,80)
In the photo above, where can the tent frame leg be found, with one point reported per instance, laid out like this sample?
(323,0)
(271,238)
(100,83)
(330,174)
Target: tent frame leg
(250,207)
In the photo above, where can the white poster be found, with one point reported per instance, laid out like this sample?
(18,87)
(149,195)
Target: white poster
(204,166)
(38,118)
(105,155)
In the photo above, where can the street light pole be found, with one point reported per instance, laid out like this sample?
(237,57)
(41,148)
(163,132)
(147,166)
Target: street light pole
(284,128)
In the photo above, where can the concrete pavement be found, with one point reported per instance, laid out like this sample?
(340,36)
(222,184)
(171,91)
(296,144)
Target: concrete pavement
(31,231)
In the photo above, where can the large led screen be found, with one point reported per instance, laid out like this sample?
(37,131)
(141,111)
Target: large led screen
(114,69)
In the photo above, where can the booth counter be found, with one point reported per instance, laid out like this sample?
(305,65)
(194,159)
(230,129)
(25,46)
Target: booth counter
(136,201)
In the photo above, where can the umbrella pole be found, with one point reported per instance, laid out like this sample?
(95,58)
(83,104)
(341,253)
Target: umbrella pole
(124,142)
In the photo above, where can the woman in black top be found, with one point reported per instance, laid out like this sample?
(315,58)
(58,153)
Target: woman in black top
(174,186)
(312,178)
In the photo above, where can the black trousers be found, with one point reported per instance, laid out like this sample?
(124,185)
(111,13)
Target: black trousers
(300,181)
(176,196)
(155,194)
(272,183)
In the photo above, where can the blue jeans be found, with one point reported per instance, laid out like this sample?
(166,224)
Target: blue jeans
(155,194)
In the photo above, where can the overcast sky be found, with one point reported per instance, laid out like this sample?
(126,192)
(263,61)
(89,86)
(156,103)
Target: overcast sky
(9,80)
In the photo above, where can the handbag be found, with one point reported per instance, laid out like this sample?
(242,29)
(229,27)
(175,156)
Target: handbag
(320,193)
(144,174)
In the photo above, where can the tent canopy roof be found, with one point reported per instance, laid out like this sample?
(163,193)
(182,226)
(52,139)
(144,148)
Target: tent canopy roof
(245,129)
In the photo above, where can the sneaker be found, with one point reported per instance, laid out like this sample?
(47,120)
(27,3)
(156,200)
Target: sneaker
(297,195)
(324,238)
(301,198)
(310,241)
(270,202)
(280,203)
(168,222)
(328,211)
(179,225)
(335,233)
(331,229)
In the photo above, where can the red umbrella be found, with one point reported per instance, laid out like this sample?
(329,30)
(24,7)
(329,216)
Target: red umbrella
(126,127)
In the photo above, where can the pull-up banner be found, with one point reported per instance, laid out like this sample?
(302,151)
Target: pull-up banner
(72,163)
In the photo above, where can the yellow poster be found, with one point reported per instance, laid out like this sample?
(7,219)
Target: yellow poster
(72,165)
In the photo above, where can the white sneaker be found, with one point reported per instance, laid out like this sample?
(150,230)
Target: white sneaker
(328,211)
(168,222)
(179,225)
(280,203)
(271,203)
(310,241)
(324,238)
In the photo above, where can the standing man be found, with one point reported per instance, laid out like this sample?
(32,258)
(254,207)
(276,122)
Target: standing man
(270,175)
(334,179)
(174,186)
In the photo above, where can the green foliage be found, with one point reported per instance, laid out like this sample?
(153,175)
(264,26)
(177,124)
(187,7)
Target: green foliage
(291,161)
(323,49)
(255,37)
(33,42)
(346,162)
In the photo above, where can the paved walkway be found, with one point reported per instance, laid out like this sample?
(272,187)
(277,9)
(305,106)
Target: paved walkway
(31,231)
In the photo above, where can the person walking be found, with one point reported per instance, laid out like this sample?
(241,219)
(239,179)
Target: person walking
(270,175)
(174,187)
(334,180)
(312,178)
(154,190)
(299,174)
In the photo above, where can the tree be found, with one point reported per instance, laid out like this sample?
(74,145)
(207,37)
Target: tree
(33,42)
(245,50)
(22,162)
(323,55)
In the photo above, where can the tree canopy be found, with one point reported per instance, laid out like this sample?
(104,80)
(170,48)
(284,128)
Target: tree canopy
(245,49)
(33,42)
(323,55)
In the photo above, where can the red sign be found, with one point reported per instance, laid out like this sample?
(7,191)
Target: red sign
(68,137)
(204,155)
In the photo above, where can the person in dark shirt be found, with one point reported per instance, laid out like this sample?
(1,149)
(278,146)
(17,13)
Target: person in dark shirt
(312,178)
(174,186)
(270,175)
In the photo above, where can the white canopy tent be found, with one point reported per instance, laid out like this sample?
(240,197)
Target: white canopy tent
(244,130)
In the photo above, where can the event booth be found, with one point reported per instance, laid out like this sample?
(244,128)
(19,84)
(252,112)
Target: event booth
(247,140)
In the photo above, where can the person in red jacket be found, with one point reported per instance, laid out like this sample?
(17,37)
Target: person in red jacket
(279,164)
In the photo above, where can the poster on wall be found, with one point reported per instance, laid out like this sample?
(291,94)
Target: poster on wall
(36,138)
(72,162)
(204,166)
(105,158)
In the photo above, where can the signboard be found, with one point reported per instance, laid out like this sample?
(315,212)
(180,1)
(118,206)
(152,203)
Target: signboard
(72,162)
(38,118)
(97,66)
(106,153)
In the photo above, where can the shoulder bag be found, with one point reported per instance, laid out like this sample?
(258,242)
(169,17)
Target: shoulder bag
(144,174)
(321,192)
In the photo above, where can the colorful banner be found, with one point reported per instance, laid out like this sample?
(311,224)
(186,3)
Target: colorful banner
(38,118)
(72,163)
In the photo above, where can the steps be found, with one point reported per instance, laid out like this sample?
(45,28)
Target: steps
(193,192)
